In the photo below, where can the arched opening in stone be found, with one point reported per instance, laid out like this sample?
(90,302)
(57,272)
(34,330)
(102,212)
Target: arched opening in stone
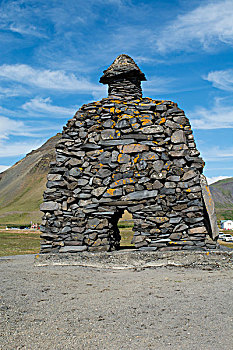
(125,226)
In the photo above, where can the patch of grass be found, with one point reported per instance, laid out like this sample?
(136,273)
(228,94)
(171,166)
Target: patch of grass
(19,242)
(224,214)
(16,219)
(226,244)
(126,223)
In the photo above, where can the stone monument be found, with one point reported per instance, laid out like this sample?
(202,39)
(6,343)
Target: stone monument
(127,152)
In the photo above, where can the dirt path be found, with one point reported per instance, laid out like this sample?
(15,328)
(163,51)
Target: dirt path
(70,307)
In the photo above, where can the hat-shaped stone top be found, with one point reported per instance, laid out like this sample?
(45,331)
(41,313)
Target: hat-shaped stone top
(123,66)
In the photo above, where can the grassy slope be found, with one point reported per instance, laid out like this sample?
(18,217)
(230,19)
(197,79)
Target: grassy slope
(22,186)
(222,192)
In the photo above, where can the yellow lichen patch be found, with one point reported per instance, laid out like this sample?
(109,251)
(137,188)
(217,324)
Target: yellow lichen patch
(81,169)
(126,116)
(112,109)
(136,112)
(209,194)
(117,110)
(162,121)
(181,126)
(100,165)
(116,101)
(145,121)
(188,190)
(136,159)
(136,174)
(119,157)
(111,191)
(159,103)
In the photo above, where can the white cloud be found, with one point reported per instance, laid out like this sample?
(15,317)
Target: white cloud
(17,148)
(18,16)
(213,179)
(26,30)
(43,105)
(10,127)
(206,26)
(219,116)
(217,154)
(221,79)
(4,167)
(12,91)
(158,84)
(47,79)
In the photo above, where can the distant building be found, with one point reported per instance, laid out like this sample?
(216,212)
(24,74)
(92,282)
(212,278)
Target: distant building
(227,224)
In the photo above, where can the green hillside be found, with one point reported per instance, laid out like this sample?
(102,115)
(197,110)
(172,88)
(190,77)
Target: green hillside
(222,192)
(22,186)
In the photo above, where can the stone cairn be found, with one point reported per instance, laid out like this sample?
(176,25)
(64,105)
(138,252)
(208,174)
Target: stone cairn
(131,153)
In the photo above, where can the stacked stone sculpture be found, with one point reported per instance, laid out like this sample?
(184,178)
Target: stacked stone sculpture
(129,153)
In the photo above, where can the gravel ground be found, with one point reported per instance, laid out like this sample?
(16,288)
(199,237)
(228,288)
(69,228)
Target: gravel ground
(71,307)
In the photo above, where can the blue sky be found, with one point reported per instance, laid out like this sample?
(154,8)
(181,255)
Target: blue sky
(53,54)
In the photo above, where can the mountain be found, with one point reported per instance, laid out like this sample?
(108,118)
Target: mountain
(222,192)
(22,185)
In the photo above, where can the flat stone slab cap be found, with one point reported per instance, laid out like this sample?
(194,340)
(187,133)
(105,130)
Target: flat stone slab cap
(123,65)
(134,259)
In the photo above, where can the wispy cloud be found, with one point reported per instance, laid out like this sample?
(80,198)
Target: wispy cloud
(221,79)
(158,84)
(4,167)
(218,116)
(217,153)
(205,26)
(17,148)
(12,91)
(10,127)
(47,79)
(44,105)
(26,30)
(20,17)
